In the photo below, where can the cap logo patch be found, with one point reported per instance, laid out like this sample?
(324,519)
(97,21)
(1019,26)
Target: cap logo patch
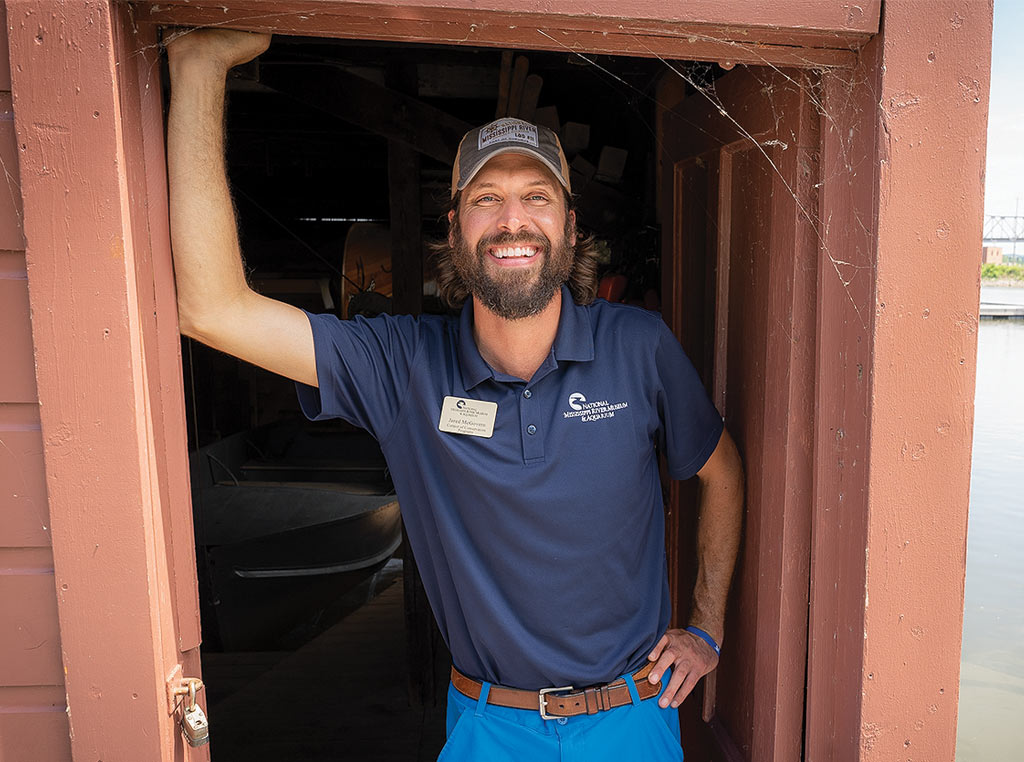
(508,131)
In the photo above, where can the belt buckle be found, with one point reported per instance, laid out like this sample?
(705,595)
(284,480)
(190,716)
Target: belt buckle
(544,702)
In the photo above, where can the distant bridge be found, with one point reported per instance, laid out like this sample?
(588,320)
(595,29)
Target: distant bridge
(1003,229)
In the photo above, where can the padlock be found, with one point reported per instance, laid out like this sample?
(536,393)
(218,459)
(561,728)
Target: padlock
(195,727)
(193,720)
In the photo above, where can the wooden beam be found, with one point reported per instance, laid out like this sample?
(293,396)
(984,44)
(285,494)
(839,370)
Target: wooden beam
(531,94)
(395,116)
(406,217)
(504,84)
(835,17)
(407,298)
(442,80)
(794,34)
(515,91)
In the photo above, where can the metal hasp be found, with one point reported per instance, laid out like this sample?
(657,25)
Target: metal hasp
(194,725)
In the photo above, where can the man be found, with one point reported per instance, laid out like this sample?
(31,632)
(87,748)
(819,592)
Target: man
(521,438)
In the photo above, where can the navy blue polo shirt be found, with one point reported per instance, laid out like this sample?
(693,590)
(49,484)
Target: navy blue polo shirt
(541,548)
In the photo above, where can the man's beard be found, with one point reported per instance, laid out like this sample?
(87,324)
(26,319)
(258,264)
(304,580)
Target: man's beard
(514,293)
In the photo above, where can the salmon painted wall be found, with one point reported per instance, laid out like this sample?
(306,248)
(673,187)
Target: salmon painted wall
(932,119)
(33,723)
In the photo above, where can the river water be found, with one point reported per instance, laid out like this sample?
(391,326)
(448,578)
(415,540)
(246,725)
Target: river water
(991,726)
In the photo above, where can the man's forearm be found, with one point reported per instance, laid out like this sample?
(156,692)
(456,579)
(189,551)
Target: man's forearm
(718,536)
(204,236)
(215,304)
(208,267)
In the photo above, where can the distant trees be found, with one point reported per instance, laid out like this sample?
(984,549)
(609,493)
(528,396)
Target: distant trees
(1003,272)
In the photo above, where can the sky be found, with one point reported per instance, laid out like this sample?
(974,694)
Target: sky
(1004,174)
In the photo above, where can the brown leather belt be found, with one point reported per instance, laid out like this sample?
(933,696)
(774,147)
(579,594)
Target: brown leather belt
(562,702)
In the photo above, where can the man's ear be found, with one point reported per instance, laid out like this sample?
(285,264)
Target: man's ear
(572,220)
(451,236)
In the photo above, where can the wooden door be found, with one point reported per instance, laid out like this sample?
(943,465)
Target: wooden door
(739,214)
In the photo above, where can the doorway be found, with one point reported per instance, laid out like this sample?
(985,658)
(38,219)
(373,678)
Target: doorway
(314,184)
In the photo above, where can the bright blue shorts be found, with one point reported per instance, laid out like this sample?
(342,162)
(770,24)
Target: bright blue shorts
(481,732)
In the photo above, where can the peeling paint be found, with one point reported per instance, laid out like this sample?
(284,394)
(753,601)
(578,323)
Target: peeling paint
(970,90)
(870,732)
(902,102)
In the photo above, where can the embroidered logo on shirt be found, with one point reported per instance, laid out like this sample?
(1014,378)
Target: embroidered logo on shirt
(591,411)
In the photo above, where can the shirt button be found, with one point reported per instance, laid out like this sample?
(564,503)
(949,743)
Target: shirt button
(527,393)
(531,429)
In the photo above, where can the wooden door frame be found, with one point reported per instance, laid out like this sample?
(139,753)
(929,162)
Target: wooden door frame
(761,32)
(779,508)
(901,209)
(113,413)
(89,121)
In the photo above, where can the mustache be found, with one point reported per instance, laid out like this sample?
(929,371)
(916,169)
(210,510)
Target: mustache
(514,239)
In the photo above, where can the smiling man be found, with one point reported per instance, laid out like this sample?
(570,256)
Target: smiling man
(514,209)
(523,438)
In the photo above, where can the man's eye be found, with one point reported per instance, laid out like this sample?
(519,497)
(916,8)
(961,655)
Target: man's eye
(537,197)
(488,199)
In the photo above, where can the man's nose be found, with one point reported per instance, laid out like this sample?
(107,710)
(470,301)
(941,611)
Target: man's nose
(513,216)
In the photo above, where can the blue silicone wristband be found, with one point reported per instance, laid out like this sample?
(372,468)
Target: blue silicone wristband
(705,637)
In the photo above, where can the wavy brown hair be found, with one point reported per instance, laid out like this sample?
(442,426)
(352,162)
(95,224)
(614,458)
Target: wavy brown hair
(582,280)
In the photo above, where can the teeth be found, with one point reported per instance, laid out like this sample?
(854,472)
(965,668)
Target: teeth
(516,252)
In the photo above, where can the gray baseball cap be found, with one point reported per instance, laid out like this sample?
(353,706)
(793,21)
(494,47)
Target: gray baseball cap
(507,135)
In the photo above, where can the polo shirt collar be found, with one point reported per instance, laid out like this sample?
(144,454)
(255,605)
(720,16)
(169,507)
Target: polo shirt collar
(474,368)
(574,340)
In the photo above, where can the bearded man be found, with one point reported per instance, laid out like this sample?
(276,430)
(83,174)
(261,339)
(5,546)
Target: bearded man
(522,436)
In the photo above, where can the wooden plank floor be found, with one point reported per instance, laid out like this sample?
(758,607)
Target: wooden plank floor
(342,696)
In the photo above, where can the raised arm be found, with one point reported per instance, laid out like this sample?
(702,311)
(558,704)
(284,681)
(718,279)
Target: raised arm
(215,304)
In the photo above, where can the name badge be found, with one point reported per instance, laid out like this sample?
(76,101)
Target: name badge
(465,416)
